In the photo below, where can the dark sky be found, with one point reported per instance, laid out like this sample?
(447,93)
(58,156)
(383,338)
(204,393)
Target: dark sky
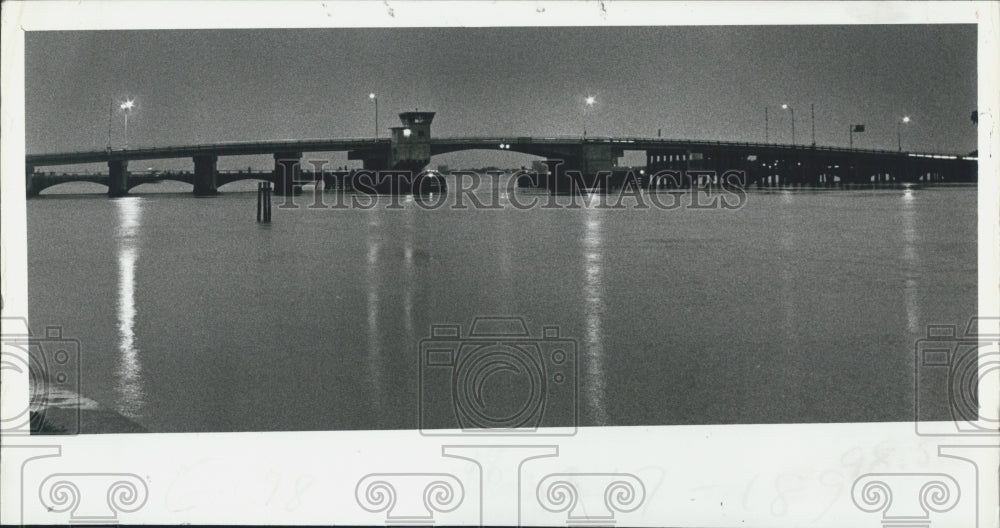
(691,82)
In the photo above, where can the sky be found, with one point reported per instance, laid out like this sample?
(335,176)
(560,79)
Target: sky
(201,86)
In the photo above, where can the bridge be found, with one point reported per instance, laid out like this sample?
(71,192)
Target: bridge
(410,147)
(43,180)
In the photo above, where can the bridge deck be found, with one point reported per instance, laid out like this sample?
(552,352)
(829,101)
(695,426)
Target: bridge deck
(447,145)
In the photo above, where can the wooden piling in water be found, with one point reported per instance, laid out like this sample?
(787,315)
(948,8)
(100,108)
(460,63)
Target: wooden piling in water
(267,201)
(263,201)
(259,200)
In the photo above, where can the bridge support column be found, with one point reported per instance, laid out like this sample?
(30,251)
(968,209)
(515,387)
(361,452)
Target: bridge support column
(556,180)
(906,172)
(205,176)
(29,181)
(811,170)
(731,161)
(117,178)
(375,164)
(287,168)
(794,174)
(727,162)
(596,158)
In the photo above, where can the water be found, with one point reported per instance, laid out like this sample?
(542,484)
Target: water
(803,306)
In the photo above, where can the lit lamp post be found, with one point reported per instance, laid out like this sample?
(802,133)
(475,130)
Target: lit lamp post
(126,106)
(792,110)
(590,104)
(111,113)
(899,132)
(374,99)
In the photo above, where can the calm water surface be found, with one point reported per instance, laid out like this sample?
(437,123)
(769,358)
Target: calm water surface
(800,307)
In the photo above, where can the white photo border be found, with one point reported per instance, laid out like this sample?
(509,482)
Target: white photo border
(746,475)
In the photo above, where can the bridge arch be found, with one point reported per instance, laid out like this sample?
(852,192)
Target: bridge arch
(38,189)
(134,182)
(506,154)
(543,151)
(225,181)
(41,182)
(187,185)
(509,159)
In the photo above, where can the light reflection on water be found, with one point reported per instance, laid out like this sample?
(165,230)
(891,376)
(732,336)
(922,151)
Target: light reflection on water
(593,290)
(409,276)
(786,275)
(131,397)
(372,282)
(911,263)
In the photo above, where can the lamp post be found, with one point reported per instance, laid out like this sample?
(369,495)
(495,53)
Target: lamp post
(792,110)
(111,113)
(899,131)
(812,116)
(590,104)
(766,133)
(126,107)
(374,99)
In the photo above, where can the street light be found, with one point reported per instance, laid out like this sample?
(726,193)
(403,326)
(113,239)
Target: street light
(126,106)
(111,113)
(812,117)
(899,131)
(374,99)
(590,103)
(766,134)
(792,110)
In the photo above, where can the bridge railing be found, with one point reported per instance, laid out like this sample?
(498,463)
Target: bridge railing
(645,142)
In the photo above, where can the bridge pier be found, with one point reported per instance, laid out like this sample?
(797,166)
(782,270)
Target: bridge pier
(287,168)
(570,176)
(849,173)
(728,161)
(810,169)
(902,171)
(794,168)
(731,161)
(375,164)
(30,189)
(117,178)
(596,158)
(206,175)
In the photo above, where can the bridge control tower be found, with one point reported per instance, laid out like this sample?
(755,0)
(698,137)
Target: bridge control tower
(410,144)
